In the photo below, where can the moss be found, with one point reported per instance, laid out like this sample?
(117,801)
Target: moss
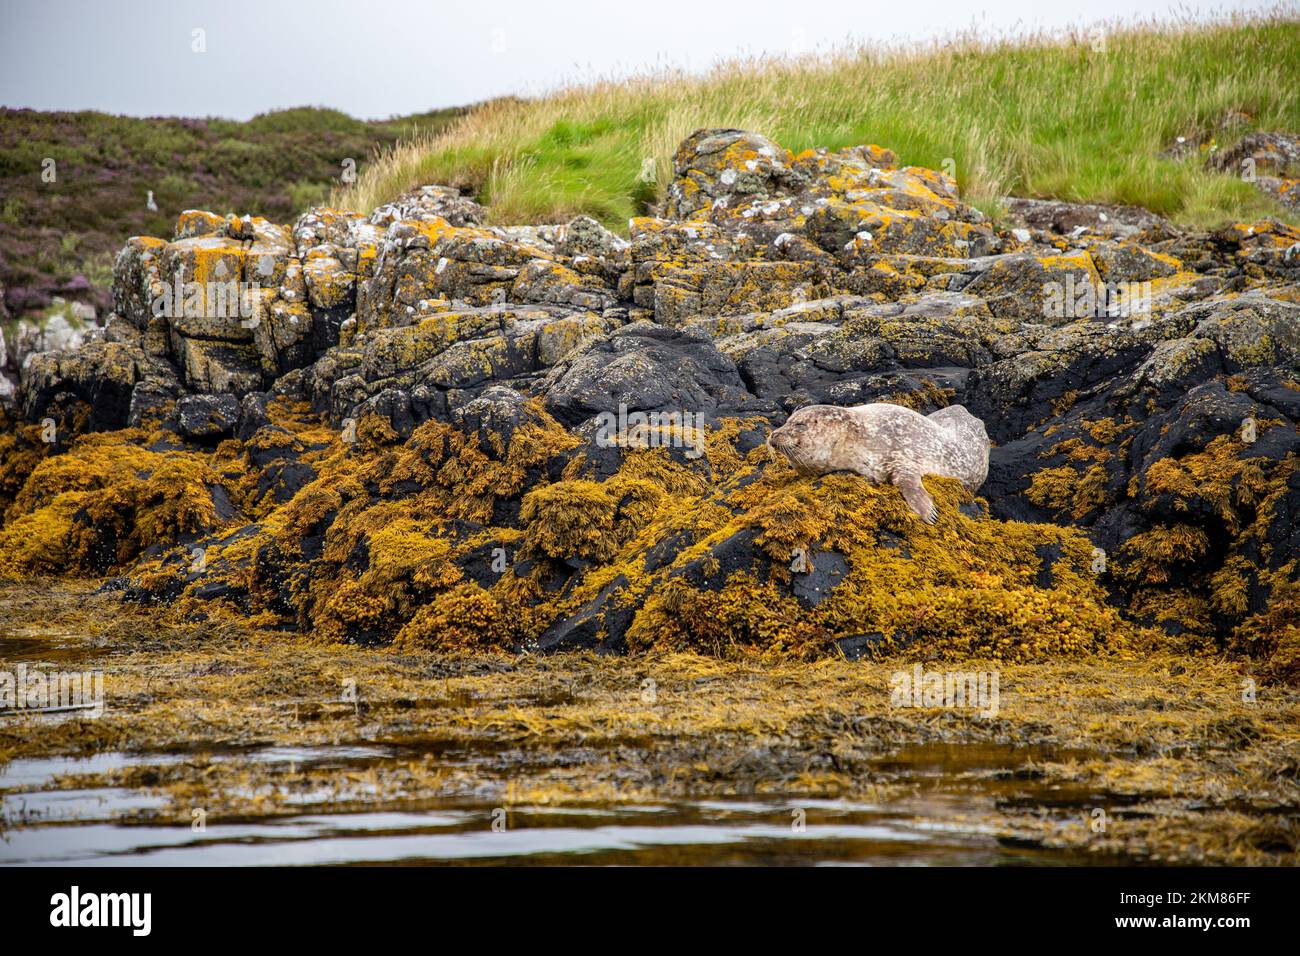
(928,397)
(1218,477)
(388,550)
(966,584)
(467,478)
(1210,580)
(1272,636)
(1107,431)
(21,450)
(1157,556)
(745,616)
(571,519)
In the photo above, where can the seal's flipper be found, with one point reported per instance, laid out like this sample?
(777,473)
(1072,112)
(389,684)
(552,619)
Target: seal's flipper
(917,498)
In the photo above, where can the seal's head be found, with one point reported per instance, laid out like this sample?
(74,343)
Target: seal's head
(802,440)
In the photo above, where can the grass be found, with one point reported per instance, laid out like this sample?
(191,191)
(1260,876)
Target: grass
(1057,116)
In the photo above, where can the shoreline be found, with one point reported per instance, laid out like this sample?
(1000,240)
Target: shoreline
(256,727)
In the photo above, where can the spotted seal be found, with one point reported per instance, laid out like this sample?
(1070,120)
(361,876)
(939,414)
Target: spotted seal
(886,442)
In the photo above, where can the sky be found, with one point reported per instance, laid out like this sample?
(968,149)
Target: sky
(380,58)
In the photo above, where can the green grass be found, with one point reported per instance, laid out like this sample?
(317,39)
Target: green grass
(1032,116)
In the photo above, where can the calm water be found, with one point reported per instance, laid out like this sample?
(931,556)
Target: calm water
(43,822)
(110,825)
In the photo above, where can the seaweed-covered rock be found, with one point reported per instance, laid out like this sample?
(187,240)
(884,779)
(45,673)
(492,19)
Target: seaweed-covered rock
(417,428)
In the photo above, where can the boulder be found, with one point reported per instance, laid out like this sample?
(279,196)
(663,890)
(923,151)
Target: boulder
(102,376)
(644,367)
(718,166)
(207,417)
(1258,153)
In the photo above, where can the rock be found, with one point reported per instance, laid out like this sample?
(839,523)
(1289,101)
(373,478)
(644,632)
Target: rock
(429,203)
(152,402)
(857,646)
(1251,330)
(816,577)
(557,435)
(493,417)
(585,237)
(1033,288)
(428,266)
(1286,190)
(197,222)
(1257,153)
(213,365)
(1127,262)
(136,279)
(462,352)
(207,417)
(55,333)
(237,301)
(599,625)
(645,367)
(1073,219)
(1269,160)
(252,415)
(719,165)
(102,376)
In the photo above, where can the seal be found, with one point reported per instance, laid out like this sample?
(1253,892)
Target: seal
(884,442)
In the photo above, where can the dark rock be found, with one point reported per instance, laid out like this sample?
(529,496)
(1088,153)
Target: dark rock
(599,625)
(252,415)
(493,416)
(207,417)
(825,570)
(645,367)
(857,646)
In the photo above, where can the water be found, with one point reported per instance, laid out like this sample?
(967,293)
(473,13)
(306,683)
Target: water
(322,806)
(112,825)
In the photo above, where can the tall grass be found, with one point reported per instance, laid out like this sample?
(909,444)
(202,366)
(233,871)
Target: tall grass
(1080,116)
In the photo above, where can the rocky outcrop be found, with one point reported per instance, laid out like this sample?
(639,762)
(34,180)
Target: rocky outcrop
(1075,219)
(420,427)
(1270,160)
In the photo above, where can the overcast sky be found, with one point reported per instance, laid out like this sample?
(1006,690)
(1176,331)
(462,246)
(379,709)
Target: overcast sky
(379,58)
